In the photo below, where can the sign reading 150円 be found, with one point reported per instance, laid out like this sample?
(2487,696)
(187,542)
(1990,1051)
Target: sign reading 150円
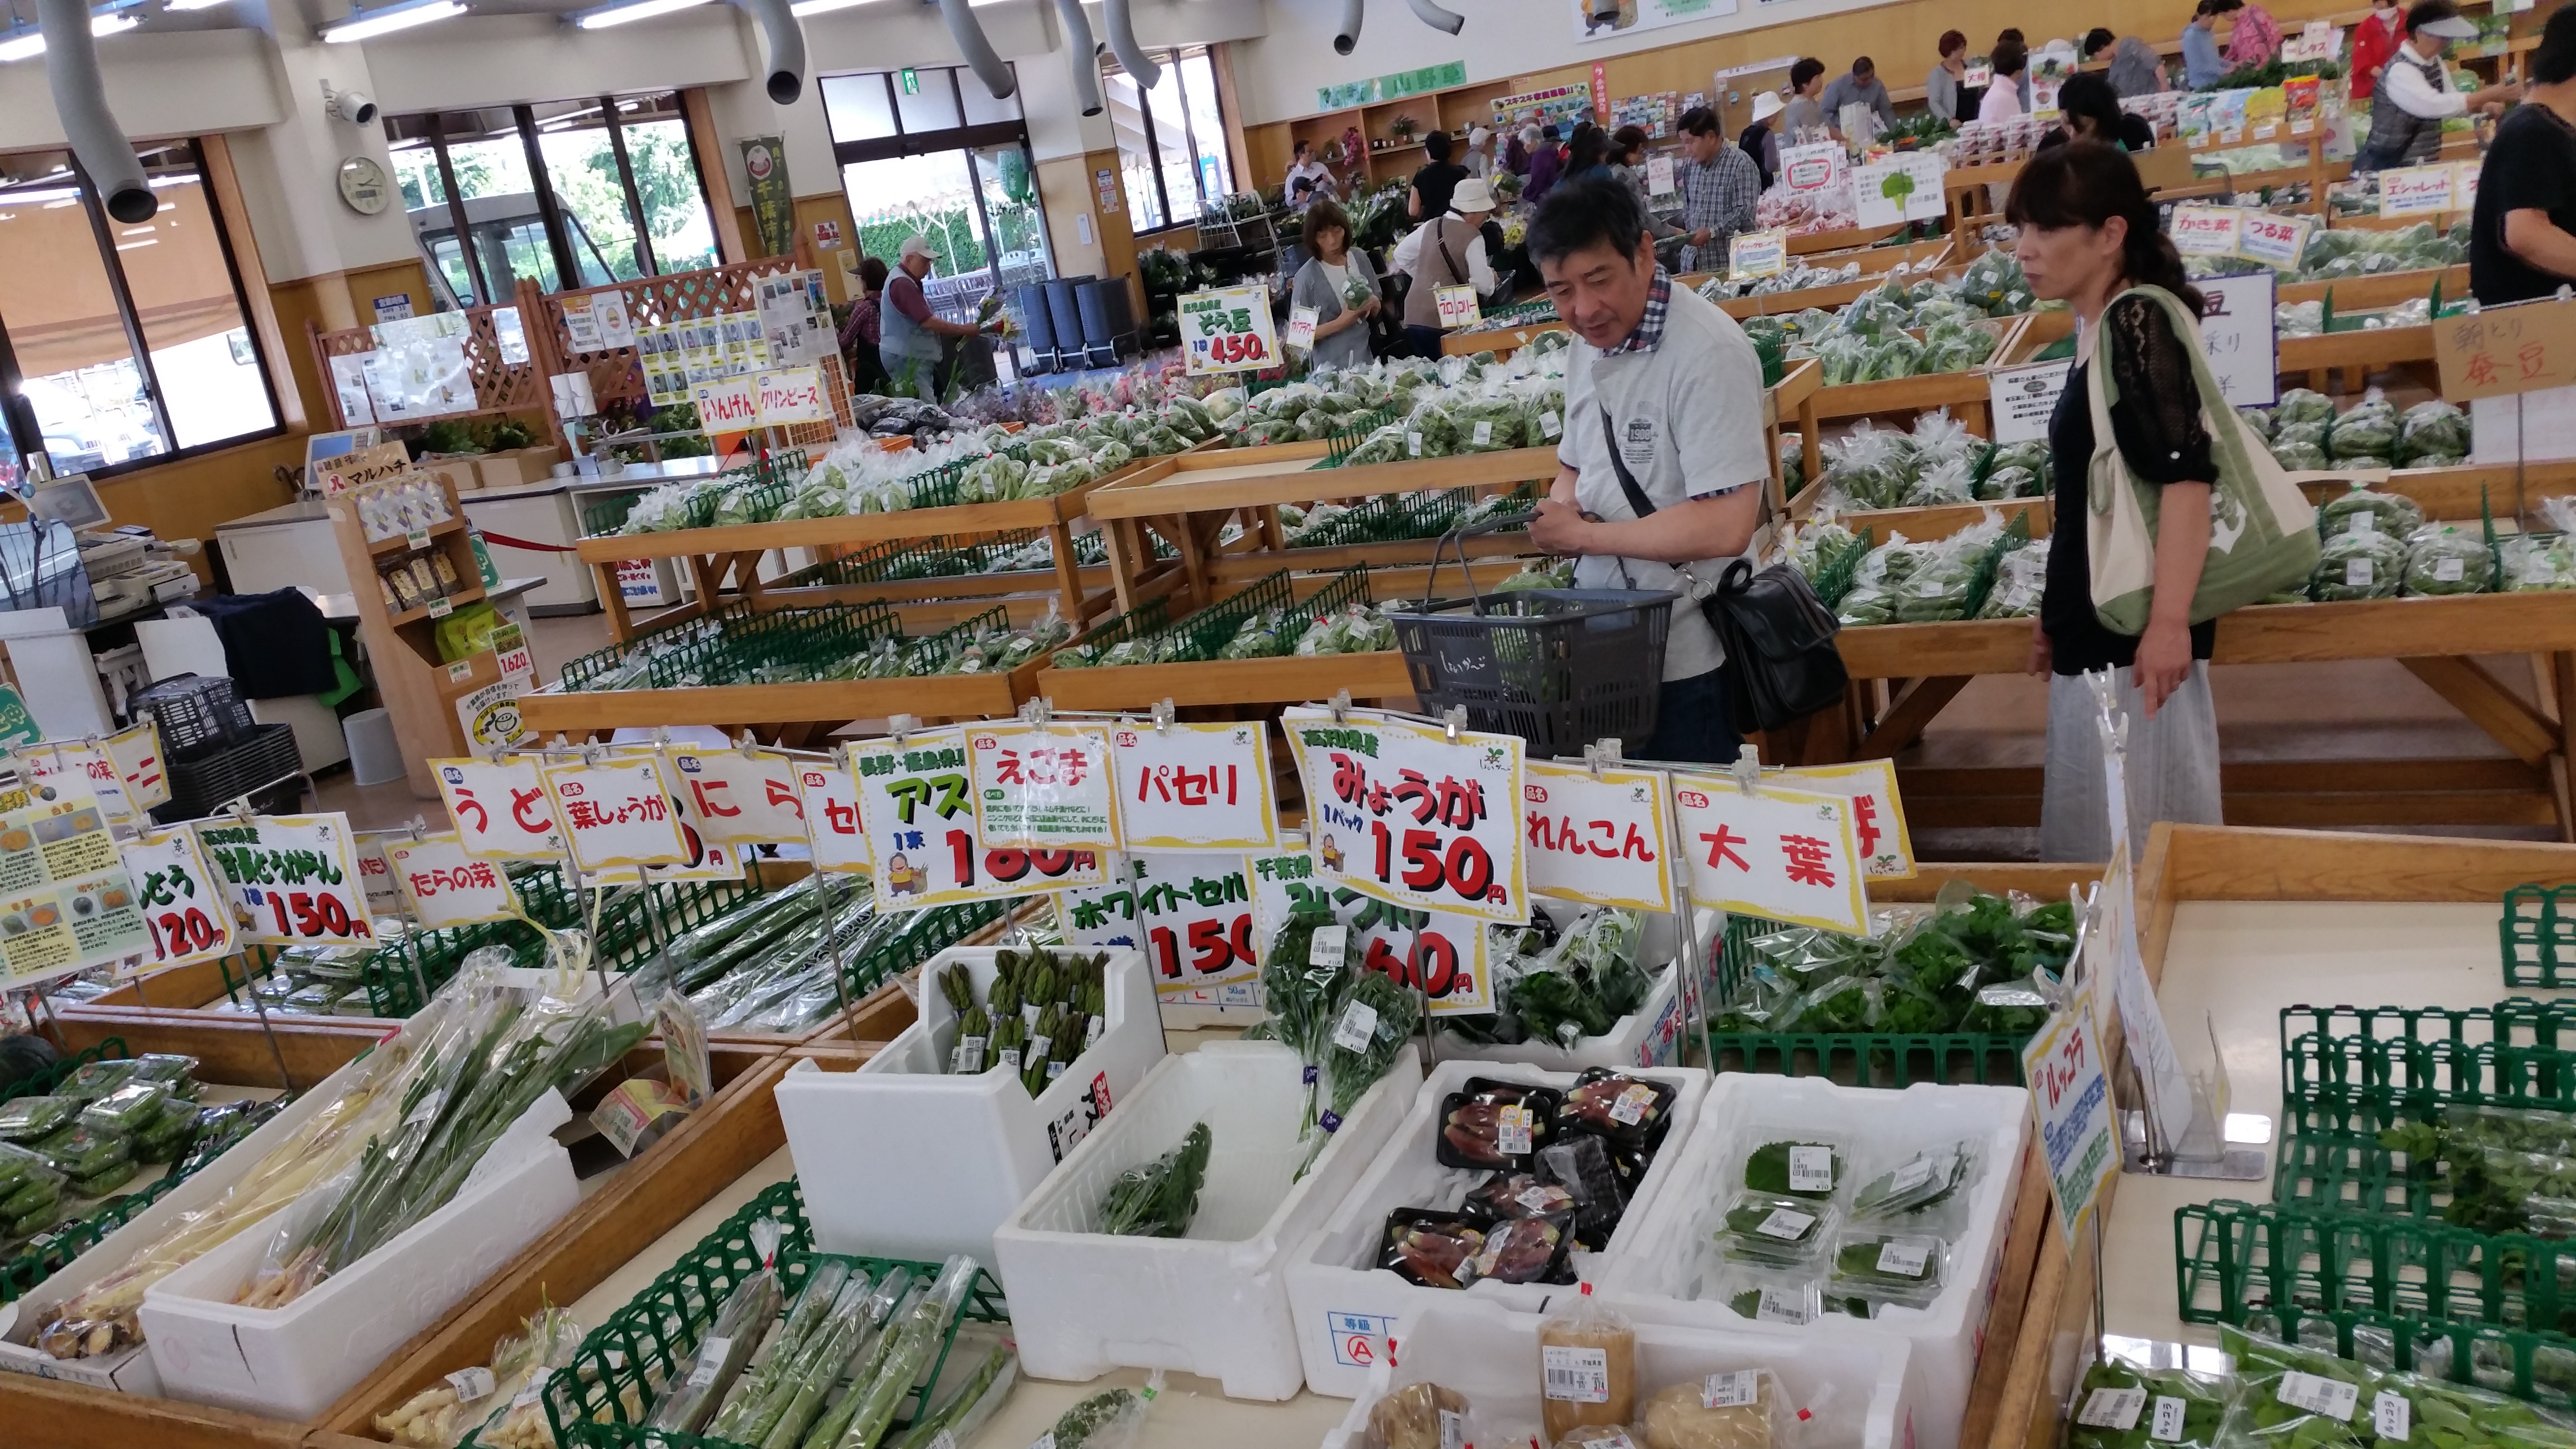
(1408,815)
(1229,331)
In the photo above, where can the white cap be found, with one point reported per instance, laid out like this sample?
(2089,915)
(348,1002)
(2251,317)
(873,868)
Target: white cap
(1472,196)
(1478,136)
(2449,27)
(916,245)
(1766,105)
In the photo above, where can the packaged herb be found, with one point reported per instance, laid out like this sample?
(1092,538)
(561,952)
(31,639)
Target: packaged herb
(129,1109)
(1768,1295)
(1807,1167)
(1887,1267)
(96,1080)
(2121,1406)
(84,1151)
(1761,1227)
(25,1119)
(1923,1181)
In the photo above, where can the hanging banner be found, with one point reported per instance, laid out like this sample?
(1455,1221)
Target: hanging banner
(1597,838)
(1877,815)
(502,810)
(67,902)
(2070,1104)
(831,802)
(735,798)
(617,812)
(913,804)
(292,878)
(773,206)
(443,886)
(1191,914)
(1403,813)
(181,898)
(1194,786)
(1043,786)
(1783,855)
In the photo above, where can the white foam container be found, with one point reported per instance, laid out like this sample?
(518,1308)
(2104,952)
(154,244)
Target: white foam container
(1214,1303)
(1344,1305)
(1656,1274)
(990,1142)
(1650,1036)
(294,1362)
(1860,1386)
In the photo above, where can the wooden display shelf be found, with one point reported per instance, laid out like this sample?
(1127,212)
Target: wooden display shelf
(472,594)
(2380,289)
(1966,393)
(836,702)
(1215,482)
(401,542)
(1807,244)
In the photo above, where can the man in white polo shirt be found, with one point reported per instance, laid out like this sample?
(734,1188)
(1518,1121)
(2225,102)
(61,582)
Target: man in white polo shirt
(1665,388)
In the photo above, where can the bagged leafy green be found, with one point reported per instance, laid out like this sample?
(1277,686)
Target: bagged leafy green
(2360,509)
(2259,419)
(2361,434)
(2014,482)
(2118,1407)
(2300,405)
(2293,434)
(1895,357)
(2432,434)
(2529,561)
(2358,566)
(1487,425)
(2299,457)
(2020,578)
(1864,605)
(2446,561)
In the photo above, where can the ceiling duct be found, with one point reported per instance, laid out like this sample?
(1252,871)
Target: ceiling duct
(1083,53)
(80,101)
(783,36)
(1122,44)
(969,35)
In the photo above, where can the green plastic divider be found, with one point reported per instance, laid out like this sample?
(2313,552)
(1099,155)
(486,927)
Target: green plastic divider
(922,935)
(1347,437)
(782,642)
(2358,1086)
(37,1084)
(1855,1059)
(923,655)
(1834,578)
(583,672)
(593,1402)
(2536,934)
(2539,1367)
(2233,1258)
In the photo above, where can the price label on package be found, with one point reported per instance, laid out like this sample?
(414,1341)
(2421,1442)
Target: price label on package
(1405,814)
(1228,331)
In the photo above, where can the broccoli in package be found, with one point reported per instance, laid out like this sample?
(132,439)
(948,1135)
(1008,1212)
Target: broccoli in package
(2358,566)
(2446,561)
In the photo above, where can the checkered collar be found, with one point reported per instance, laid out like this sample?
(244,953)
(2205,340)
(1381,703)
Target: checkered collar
(1650,327)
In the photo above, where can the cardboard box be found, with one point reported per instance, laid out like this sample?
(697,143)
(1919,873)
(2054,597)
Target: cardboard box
(518,467)
(458,471)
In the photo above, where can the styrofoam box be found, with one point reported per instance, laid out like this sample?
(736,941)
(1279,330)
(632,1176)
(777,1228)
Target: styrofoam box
(293,1362)
(1214,1303)
(131,1370)
(1646,1037)
(1345,1306)
(991,1143)
(1655,1274)
(1859,1386)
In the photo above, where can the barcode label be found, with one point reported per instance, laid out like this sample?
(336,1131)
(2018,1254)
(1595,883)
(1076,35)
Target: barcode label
(1929,589)
(1328,946)
(1776,1306)
(478,1383)
(1358,1024)
(1731,1391)
(2167,1424)
(1453,1429)
(1549,425)
(2331,1397)
(2449,570)
(1537,1199)
(1413,445)
(1911,1176)
(1811,1169)
(2356,573)
(1630,1108)
(1484,432)
(1011,1058)
(1512,1129)
(711,1357)
(970,1056)
(1039,1046)
(1904,1257)
(1576,1375)
(1786,1225)
(2391,1417)
(2113,1409)
(2364,523)
(1091,1032)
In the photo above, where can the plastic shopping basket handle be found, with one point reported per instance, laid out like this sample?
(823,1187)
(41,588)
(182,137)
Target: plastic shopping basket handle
(1459,536)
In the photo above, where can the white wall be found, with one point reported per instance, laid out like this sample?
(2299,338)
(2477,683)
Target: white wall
(499,60)
(179,83)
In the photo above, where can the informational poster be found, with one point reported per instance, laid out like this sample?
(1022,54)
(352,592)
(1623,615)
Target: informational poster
(1228,331)
(510,335)
(914,805)
(618,812)
(292,878)
(2022,399)
(737,797)
(1043,786)
(2206,231)
(1815,166)
(84,763)
(1194,786)
(1781,854)
(502,809)
(1659,176)
(491,715)
(2070,1104)
(419,370)
(1191,914)
(2237,331)
(184,904)
(1877,813)
(1598,838)
(1603,19)
(829,796)
(773,205)
(67,902)
(443,886)
(1408,815)
(349,384)
(597,322)
(1904,187)
(1753,255)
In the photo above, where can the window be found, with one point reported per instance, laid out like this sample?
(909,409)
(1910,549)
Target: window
(1171,141)
(120,345)
(931,151)
(566,194)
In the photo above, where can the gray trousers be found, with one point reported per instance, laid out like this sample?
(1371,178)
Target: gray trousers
(2172,766)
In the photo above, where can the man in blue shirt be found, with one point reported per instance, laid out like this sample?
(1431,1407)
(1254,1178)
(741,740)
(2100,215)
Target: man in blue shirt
(2202,64)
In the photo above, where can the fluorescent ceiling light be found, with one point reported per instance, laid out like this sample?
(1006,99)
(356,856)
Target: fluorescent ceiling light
(803,8)
(32,42)
(386,21)
(194,4)
(609,15)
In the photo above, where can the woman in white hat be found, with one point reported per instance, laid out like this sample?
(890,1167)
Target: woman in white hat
(1479,159)
(1446,251)
(1759,141)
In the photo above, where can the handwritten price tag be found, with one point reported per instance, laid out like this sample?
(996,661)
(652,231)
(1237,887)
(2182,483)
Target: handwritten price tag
(1401,813)
(443,886)
(1194,786)
(1457,307)
(1301,330)
(727,405)
(1228,331)
(1753,255)
(2273,239)
(1784,855)
(2206,231)
(502,810)
(618,812)
(2417,190)
(1597,839)
(792,395)
(292,877)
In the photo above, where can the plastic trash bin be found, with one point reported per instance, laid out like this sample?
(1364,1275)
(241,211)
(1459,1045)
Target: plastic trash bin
(375,758)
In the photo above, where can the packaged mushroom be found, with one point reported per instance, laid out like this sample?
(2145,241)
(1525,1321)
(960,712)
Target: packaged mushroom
(1587,1368)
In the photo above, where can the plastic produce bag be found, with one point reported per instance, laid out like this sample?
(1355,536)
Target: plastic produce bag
(2121,1406)
(2020,579)
(2446,561)
(2358,566)
(1114,1419)
(2529,562)
(2300,405)
(2432,434)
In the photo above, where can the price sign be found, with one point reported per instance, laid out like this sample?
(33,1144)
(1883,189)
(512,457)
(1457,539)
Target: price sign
(1403,813)
(2206,231)
(1043,786)
(740,799)
(292,878)
(2499,351)
(185,910)
(1659,176)
(1191,914)
(1751,255)
(1458,307)
(1443,951)
(2464,185)
(443,886)
(136,753)
(2022,399)
(792,395)
(1785,855)
(831,801)
(1979,75)
(1301,330)
(502,809)
(1877,814)
(87,765)
(1816,166)
(2273,239)
(618,812)
(2070,1103)
(1901,188)
(2417,190)
(914,805)
(1194,786)
(1228,331)
(2237,333)
(66,900)
(728,404)
(1598,839)
(2043,95)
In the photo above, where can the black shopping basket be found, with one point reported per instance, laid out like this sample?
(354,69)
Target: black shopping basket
(1561,668)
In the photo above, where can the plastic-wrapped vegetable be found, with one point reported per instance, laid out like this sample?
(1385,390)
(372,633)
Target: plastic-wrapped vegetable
(2299,457)
(2360,509)
(2447,561)
(2432,434)
(2300,405)
(1898,356)
(2532,562)
(2369,430)
(28,1119)
(2358,566)
(2020,578)
(2013,482)
(1944,482)
(1845,360)
(1487,425)
(2259,419)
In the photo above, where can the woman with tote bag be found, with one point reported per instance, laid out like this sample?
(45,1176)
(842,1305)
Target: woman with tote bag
(2168,513)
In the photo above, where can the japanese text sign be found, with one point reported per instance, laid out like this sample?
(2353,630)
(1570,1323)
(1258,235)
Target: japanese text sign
(2273,239)
(2417,190)
(1228,331)
(728,404)
(17,727)
(444,886)
(1659,176)
(1191,914)
(914,805)
(502,809)
(1194,786)
(183,902)
(2070,1104)
(1043,786)
(1405,814)
(136,753)
(1458,307)
(735,798)
(617,812)
(2499,351)
(1816,166)
(1901,188)
(87,764)
(376,874)
(1301,329)
(1751,255)
(2237,334)
(831,800)
(2206,231)
(292,877)
(792,395)
(1442,952)
(1598,839)
(66,900)
(1784,855)
(1877,816)
(2023,399)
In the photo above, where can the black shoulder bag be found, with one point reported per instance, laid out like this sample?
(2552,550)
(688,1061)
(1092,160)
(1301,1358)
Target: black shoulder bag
(1781,663)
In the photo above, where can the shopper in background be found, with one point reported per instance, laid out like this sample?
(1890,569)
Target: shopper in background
(1545,161)
(1432,183)
(1759,141)
(1302,166)
(2088,235)
(1803,118)
(1663,402)
(1587,152)
(1941,87)
(2092,111)
(859,332)
(908,331)
(1516,150)
(1719,186)
(2135,68)
(1860,88)
(1628,163)
(2414,91)
(2003,97)
(2374,40)
(2202,63)
(2522,235)
(2011,35)
(1480,153)
(1446,251)
(1323,283)
(2254,37)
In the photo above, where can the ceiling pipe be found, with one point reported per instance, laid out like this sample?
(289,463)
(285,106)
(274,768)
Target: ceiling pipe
(80,102)
(1347,39)
(1122,44)
(969,35)
(783,35)
(1437,18)
(1082,53)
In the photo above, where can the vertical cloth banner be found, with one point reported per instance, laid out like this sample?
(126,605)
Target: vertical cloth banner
(773,206)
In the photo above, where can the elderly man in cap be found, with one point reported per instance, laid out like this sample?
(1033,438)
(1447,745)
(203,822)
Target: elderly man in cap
(1446,251)
(2414,92)
(908,332)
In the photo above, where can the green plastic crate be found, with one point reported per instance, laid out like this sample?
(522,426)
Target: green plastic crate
(2536,933)
(798,641)
(1854,1059)
(588,669)
(1835,577)
(2232,1258)
(2358,1086)
(917,936)
(1347,438)
(37,1084)
(2539,1367)
(656,1333)
(2341,1172)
